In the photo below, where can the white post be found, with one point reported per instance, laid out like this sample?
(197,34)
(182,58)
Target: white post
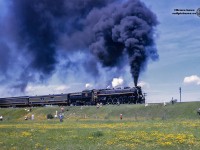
(32,117)
(56,114)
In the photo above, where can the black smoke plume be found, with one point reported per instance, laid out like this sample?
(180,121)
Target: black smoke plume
(110,31)
(125,29)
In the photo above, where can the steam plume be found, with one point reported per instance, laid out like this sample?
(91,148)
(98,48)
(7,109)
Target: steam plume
(117,82)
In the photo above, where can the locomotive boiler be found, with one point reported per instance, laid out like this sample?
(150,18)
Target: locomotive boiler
(126,95)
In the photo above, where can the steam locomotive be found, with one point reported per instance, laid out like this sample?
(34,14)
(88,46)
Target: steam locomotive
(126,95)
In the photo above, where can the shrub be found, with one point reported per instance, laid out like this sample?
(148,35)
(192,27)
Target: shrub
(49,116)
(97,134)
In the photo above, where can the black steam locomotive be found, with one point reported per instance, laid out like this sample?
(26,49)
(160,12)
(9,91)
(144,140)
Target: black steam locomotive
(126,95)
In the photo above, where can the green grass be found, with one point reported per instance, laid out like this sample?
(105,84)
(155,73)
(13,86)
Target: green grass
(89,128)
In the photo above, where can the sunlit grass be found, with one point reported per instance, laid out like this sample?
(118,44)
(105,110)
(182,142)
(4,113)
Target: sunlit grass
(101,135)
(90,128)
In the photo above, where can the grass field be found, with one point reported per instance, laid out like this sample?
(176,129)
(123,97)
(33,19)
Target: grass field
(88,128)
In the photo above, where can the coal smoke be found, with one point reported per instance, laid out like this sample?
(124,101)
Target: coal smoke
(125,29)
(108,31)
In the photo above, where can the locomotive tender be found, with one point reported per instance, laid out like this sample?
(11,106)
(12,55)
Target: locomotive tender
(126,95)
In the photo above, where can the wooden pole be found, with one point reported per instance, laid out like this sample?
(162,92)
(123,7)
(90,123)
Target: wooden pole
(180,93)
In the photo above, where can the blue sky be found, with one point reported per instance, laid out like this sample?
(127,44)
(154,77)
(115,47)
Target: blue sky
(178,43)
(179,50)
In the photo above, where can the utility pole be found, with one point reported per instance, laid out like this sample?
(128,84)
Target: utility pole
(180,93)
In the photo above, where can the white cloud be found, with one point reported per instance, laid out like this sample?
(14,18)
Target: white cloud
(61,88)
(143,84)
(45,89)
(117,82)
(193,79)
(88,85)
